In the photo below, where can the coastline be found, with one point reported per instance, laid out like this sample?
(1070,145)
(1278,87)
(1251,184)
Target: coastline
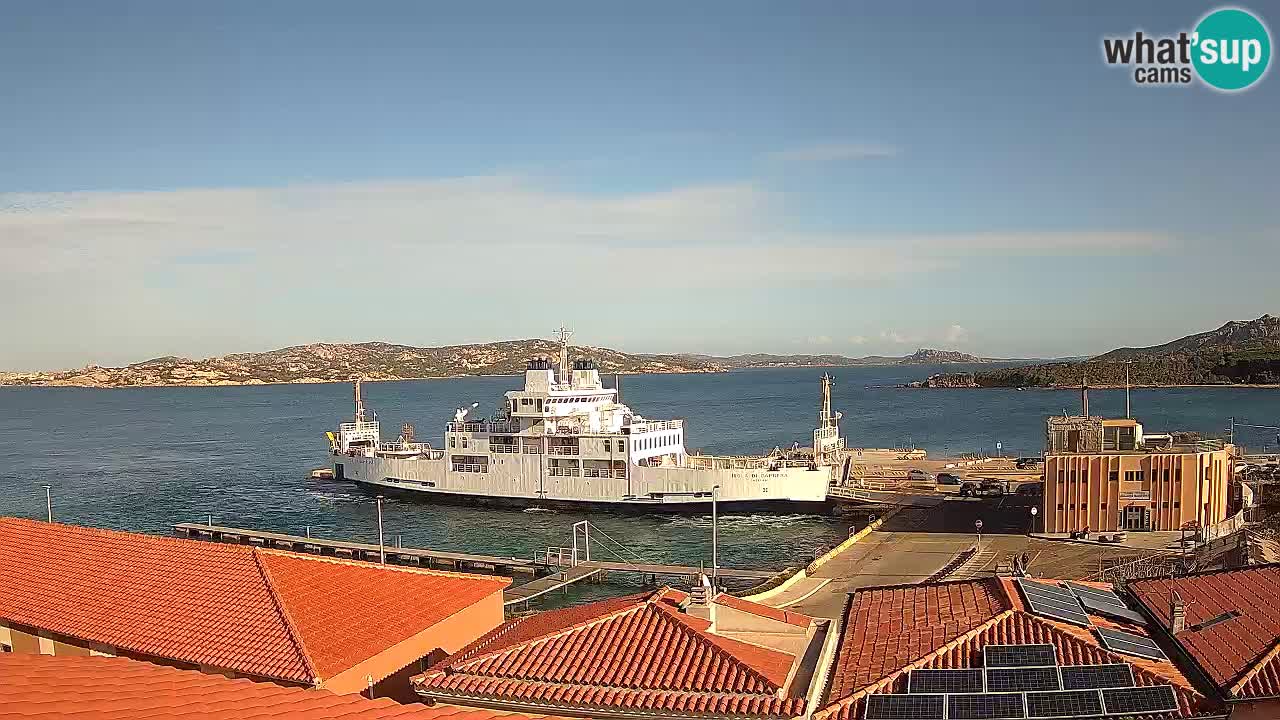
(1076,388)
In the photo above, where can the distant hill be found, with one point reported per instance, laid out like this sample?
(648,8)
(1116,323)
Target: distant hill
(328,362)
(1239,352)
(923,356)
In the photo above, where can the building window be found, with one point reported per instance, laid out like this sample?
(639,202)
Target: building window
(453,441)
(1114,476)
(1166,505)
(1084,508)
(1059,507)
(1103,507)
(1177,504)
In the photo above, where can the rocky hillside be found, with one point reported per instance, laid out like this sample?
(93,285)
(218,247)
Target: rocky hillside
(327,362)
(1239,352)
(927,356)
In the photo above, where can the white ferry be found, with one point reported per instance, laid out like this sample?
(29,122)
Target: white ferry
(566,440)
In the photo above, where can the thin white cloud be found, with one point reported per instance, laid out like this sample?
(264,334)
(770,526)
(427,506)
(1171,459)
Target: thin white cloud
(956,334)
(117,269)
(858,340)
(832,152)
(820,340)
(897,338)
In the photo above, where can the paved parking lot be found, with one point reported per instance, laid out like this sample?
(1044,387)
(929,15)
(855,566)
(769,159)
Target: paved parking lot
(918,542)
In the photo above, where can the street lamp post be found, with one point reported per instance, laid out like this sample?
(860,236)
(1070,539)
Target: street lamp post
(48,503)
(715,536)
(382,550)
(977,524)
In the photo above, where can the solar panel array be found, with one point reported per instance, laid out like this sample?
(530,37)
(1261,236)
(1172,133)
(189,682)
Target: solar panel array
(1130,644)
(1022,682)
(1054,601)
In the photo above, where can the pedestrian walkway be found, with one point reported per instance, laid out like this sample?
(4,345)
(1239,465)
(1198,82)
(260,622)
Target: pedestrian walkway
(975,566)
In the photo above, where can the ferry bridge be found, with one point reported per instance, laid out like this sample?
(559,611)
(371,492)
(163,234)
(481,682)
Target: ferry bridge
(549,570)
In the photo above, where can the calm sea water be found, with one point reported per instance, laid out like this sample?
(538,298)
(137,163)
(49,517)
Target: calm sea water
(142,459)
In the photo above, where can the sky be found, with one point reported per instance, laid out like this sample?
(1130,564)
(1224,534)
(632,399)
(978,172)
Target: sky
(718,177)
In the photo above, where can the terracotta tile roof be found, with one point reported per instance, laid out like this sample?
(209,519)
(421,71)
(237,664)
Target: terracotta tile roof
(891,630)
(257,612)
(1241,655)
(42,687)
(637,653)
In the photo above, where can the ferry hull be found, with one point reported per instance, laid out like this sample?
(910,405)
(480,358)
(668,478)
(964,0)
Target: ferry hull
(517,483)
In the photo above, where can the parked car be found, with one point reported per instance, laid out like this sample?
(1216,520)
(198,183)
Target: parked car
(985,487)
(918,475)
(1028,463)
(948,483)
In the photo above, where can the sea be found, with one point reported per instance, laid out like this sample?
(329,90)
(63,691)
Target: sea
(142,459)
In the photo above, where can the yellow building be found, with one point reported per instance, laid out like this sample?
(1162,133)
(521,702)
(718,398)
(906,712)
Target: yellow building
(1106,475)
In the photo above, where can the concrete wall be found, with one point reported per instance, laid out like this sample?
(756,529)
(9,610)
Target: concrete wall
(1092,489)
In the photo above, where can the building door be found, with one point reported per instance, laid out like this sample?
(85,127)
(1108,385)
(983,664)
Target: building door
(1136,517)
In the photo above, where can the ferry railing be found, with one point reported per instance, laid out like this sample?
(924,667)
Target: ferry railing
(481,426)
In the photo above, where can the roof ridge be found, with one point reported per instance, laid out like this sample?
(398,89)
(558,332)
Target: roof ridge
(780,704)
(295,635)
(1257,666)
(674,617)
(478,652)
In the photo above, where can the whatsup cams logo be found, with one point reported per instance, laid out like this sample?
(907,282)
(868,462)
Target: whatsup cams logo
(1228,50)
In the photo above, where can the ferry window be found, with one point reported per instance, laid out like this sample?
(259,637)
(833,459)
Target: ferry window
(513,406)
(453,442)
(464,442)
(539,405)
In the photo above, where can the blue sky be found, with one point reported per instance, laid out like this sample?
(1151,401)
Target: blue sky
(714,177)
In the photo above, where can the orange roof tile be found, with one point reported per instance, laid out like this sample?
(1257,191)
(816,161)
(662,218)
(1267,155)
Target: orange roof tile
(258,612)
(639,653)
(891,630)
(1240,655)
(42,687)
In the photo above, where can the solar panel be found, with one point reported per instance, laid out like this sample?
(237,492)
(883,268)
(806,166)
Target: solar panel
(1153,698)
(906,707)
(1084,677)
(1130,644)
(986,706)
(1105,603)
(1116,612)
(1064,704)
(1099,593)
(1054,602)
(1019,655)
(968,680)
(1021,679)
